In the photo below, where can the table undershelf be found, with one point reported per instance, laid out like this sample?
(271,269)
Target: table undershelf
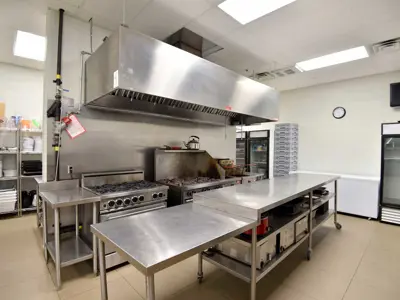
(242,270)
(72,250)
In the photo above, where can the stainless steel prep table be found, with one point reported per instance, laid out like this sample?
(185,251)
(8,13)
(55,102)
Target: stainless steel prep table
(251,200)
(153,241)
(65,252)
(156,240)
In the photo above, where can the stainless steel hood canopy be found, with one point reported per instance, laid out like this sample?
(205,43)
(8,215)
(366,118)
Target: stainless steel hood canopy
(135,73)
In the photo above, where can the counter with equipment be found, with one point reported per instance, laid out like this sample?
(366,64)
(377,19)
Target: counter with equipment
(218,220)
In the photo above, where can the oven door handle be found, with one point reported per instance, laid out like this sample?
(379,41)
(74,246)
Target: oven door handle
(135,213)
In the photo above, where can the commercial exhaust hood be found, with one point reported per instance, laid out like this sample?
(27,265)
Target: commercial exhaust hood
(131,72)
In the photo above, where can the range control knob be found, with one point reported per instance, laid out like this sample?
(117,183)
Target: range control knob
(111,203)
(160,195)
(155,196)
(141,198)
(119,202)
(127,201)
(134,199)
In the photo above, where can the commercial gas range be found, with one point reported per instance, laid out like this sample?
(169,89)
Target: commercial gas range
(248,177)
(181,190)
(122,194)
(187,172)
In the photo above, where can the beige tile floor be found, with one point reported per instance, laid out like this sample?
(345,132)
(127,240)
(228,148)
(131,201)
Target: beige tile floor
(360,262)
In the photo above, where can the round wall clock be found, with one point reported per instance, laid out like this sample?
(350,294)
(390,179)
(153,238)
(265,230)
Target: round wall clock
(339,112)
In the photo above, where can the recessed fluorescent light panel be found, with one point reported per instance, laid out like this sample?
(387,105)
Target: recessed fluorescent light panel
(333,59)
(245,11)
(30,46)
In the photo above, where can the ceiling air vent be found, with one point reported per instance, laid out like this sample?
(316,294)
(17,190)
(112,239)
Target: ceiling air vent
(277,73)
(386,46)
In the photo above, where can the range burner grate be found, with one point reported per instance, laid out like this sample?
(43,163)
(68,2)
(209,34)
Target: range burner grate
(188,181)
(123,187)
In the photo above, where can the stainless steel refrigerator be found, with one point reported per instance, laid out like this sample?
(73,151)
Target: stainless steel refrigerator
(252,150)
(389,192)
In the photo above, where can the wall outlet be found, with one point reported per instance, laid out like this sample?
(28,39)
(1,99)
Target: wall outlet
(70,169)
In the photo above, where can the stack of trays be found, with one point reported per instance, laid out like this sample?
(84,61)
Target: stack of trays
(286,149)
(8,199)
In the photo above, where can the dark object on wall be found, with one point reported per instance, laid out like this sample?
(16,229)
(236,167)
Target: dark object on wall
(395,94)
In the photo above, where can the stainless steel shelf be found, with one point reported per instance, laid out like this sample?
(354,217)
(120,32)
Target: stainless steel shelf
(324,199)
(9,212)
(279,224)
(72,250)
(243,271)
(8,129)
(321,219)
(31,152)
(30,176)
(8,152)
(33,208)
(8,178)
(32,130)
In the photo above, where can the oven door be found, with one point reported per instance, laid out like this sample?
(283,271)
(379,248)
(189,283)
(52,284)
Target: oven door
(130,212)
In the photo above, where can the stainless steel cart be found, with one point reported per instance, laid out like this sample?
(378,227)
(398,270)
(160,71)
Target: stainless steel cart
(67,251)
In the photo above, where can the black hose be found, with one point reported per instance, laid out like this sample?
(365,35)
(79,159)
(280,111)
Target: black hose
(60,38)
(58,82)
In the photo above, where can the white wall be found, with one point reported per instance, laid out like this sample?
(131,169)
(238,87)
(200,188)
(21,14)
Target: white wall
(21,89)
(347,146)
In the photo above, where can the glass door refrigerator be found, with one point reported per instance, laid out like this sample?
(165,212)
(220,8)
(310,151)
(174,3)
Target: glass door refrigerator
(389,198)
(252,150)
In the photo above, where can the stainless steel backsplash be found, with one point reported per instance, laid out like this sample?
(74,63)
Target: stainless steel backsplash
(117,141)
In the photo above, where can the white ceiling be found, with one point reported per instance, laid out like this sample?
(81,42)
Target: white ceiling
(299,31)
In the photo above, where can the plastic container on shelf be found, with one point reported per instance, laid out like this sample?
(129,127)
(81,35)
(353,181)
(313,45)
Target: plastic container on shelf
(10,173)
(7,206)
(38,144)
(28,143)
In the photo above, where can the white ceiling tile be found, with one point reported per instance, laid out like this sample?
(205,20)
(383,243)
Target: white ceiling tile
(111,12)
(213,24)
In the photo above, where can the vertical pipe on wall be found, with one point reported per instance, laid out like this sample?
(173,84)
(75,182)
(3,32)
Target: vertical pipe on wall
(58,96)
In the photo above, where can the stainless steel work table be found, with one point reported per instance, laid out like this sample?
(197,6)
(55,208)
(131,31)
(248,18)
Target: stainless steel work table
(156,240)
(153,241)
(72,250)
(252,200)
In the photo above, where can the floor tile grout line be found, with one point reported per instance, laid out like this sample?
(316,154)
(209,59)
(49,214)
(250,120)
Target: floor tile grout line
(126,280)
(358,266)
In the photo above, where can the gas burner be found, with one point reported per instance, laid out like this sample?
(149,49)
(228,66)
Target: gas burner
(123,187)
(187,181)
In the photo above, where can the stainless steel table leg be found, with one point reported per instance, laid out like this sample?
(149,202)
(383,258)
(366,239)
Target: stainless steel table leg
(338,226)
(253,283)
(44,221)
(76,221)
(57,250)
(200,268)
(150,291)
(103,274)
(95,213)
(37,207)
(310,227)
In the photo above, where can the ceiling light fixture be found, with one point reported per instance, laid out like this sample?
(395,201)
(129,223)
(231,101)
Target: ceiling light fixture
(333,59)
(245,11)
(29,45)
